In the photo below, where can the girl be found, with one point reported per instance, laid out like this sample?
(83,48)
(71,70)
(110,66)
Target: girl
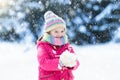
(54,50)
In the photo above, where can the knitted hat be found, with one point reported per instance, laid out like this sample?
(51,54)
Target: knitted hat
(53,21)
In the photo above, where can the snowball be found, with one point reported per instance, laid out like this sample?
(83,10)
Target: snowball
(68,59)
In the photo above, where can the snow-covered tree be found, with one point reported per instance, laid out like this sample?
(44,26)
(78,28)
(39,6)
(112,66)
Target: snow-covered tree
(93,21)
(12,23)
(88,21)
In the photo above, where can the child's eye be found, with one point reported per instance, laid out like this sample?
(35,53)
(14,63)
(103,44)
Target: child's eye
(62,31)
(56,31)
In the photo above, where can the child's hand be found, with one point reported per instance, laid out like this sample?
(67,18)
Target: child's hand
(64,68)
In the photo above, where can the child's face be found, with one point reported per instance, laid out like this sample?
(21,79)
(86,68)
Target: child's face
(58,32)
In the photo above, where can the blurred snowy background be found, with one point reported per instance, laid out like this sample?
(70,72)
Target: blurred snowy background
(93,28)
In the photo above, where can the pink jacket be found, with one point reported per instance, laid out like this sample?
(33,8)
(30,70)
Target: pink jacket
(48,58)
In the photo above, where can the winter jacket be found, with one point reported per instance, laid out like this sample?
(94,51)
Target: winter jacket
(48,59)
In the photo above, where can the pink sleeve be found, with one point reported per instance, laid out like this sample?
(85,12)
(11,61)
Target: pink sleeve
(70,48)
(77,65)
(44,60)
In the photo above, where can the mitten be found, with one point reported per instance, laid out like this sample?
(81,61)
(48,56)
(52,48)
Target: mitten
(68,59)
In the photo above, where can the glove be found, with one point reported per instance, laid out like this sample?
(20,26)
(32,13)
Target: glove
(68,59)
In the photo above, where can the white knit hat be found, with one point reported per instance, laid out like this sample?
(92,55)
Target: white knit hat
(53,21)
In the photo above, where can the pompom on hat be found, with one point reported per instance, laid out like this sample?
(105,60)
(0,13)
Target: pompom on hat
(53,21)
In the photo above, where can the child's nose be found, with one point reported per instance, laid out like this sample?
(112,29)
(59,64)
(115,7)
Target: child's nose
(59,35)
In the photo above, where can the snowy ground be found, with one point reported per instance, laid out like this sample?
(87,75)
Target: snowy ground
(100,62)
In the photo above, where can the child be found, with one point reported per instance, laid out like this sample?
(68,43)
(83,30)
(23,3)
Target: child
(55,55)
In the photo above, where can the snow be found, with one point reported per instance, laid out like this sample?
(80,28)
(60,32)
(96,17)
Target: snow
(96,7)
(20,15)
(77,20)
(11,2)
(36,5)
(82,29)
(61,1)
(17,62)
(105,12)
(97,62)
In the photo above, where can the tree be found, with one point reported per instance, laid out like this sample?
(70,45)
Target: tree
(88,21)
